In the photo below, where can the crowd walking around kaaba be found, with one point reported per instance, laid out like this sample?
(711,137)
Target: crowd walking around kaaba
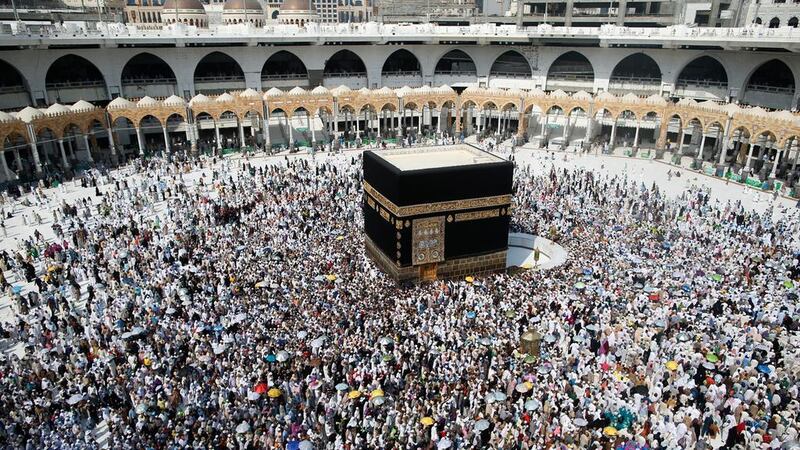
(238,310)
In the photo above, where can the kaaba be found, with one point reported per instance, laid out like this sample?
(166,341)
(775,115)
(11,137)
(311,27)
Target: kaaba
(439,212)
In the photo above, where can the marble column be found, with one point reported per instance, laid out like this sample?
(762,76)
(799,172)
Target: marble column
(6,170)
(140,140)
(88,148)
(613,136)
(167,147)
(64,159)
(111,143)
(216,134)
(702,146)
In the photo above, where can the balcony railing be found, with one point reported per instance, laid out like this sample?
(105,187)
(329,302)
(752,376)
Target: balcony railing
(400,73)
(518,75)
(75,84)
(460,73)
(283,76)
(146,81)
(683,83)
(346,75)
(757,35)
(219,79)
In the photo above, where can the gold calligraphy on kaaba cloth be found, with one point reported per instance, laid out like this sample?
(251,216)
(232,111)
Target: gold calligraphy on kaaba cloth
(427,240)
(437,207)
(477,215)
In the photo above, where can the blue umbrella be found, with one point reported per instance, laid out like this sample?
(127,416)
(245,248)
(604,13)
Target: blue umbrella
(763,368)
(470,314)
(294,445)
(271,358)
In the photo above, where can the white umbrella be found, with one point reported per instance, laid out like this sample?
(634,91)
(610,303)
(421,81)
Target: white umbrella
(342,387)
(532,405)
(485,341)
(306,445)
(482,425)
(499,396)
(253,396)
(282,356)
(243,427)
(317,343)
(302,334)
(219,348)
(581,422)
(386,340)
(444,443)
(75,399)
(141,409)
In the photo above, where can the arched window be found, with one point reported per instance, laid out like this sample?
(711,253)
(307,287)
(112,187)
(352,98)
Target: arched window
(775,22)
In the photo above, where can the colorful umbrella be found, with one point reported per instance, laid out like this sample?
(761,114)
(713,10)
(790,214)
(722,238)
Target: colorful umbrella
(712,357)
(354,395)
(376,393)
(610,431)
(260,388)
(672,365)
(274,393)
(469,279)
(427,421)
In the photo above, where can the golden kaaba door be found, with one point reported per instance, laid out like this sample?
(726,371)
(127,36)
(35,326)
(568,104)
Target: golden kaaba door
(427,240)
(427,272)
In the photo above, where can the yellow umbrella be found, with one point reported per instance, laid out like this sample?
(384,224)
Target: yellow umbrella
(330,277)
(376,393)
(427,421)
(469,279)
(261,284)
(274,393)
(354,395)
(672,365)
(610,431)
(339,238)
(527,266)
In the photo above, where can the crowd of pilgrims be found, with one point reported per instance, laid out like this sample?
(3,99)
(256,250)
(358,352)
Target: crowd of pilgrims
(237,310)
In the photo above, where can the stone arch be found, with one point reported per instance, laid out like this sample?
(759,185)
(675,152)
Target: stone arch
(702,69)
(143,70)
(283,64)
(578,111)
(773,75)
(775,22)
(636,65)
(401,61)
(216,68)
(70,76)
(569,66)
(511,64)
(11,79)
(456,62)
(713,123)
(344,62)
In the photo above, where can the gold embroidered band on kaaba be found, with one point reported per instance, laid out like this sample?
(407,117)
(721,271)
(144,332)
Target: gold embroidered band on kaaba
(437,207)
